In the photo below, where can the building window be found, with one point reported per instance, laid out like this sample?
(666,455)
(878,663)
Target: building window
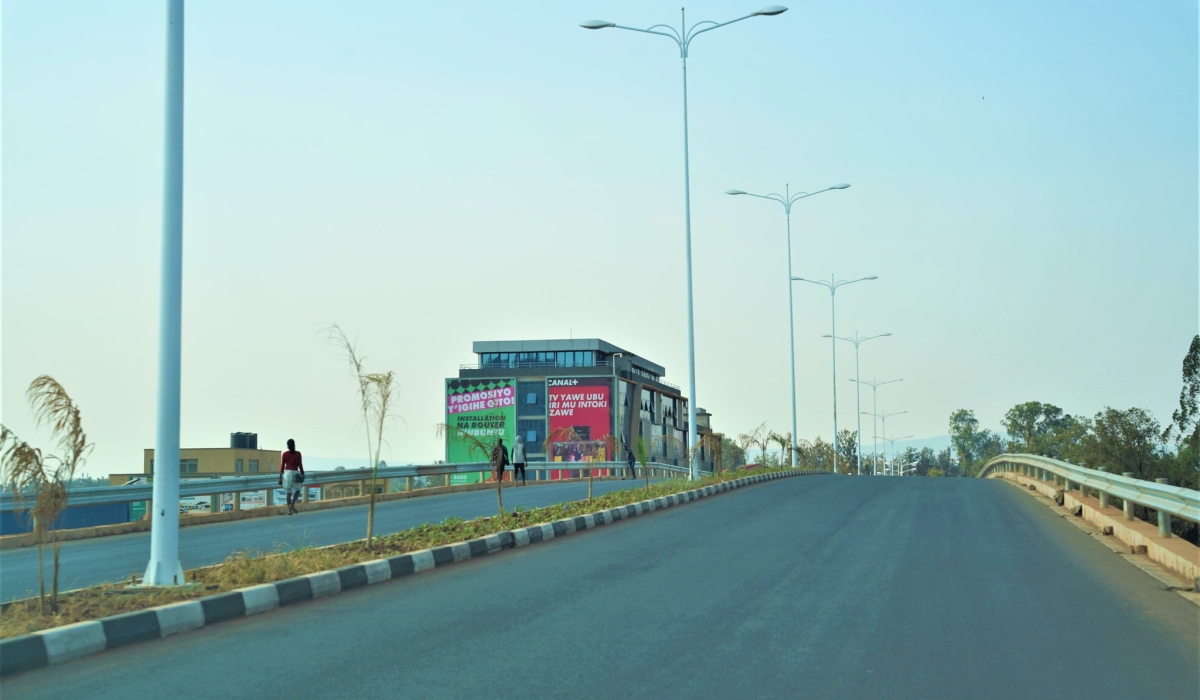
(533,398)
(237,465)
(254,465)
(534,432)
(189,466)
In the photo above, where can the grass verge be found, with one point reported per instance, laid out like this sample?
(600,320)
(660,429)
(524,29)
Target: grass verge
(241,570)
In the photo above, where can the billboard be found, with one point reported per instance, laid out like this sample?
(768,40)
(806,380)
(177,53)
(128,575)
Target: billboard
(582,405)
(483,408)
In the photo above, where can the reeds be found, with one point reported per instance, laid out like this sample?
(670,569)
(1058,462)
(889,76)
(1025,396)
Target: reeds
(48,476)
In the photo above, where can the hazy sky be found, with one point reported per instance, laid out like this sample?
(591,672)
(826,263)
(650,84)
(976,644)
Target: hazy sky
(1024,185)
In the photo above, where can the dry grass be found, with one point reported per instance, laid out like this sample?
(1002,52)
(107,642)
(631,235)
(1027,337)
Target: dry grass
(241,570)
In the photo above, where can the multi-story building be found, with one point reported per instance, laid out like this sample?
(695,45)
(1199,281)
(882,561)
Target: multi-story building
(570,401)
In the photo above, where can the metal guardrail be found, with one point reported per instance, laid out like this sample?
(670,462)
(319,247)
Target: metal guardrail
(1174,501)
(267,482)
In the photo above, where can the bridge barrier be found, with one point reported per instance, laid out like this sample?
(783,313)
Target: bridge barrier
(215,487)
(1169,501)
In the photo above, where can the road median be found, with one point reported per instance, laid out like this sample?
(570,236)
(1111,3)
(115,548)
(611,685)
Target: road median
(106,617)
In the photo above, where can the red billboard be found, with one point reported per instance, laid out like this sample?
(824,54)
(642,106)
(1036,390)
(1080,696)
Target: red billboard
(580,413)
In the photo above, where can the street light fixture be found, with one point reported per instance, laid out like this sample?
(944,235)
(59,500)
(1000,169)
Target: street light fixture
(893,450)
(874,428)
(858,389)
(683,39)
(787,199)
(832,285)
(883,423)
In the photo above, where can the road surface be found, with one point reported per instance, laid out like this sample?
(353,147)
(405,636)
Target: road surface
(812,587)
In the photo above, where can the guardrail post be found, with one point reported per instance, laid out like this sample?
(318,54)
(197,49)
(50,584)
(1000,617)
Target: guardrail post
(1164,519)
(269,499)
(1103,494)
(303,493)
(1128,503)
(237,500)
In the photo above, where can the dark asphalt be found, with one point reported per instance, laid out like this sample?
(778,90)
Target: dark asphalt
(107,559)
(812,587)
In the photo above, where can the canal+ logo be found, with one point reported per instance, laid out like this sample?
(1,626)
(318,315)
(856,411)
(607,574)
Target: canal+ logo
(563,382)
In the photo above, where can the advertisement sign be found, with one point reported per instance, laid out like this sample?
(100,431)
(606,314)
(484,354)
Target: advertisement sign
(484,409)
(580,413)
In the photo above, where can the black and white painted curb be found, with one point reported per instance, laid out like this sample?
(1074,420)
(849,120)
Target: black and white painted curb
(54,646)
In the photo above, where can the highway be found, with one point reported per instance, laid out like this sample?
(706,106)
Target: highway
(107,559)
(813,587)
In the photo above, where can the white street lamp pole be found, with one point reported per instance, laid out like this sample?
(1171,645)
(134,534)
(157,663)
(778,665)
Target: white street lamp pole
(787,199)
(163,568)
(893,450)
(832,285)
(857,390)
(683,39)
(874,424)
(883,424)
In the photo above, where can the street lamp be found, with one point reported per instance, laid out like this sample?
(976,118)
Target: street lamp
(874,428)
(857,389)
(787,200)
(683,38)
(832,285)
(883,422)
(893,451)
(163,568)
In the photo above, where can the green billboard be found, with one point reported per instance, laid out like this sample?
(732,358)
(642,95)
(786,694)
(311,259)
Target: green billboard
(483,408)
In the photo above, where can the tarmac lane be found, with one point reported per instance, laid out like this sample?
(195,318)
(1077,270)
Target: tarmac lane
(810,587)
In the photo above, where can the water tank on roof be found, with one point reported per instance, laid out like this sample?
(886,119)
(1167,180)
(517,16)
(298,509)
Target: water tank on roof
(244,441)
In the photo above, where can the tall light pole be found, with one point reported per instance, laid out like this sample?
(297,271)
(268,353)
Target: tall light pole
(893,451)
(683,39)
(787,200)
(857,389)
(874,427)
(883,423)
(163,568)
(832,285)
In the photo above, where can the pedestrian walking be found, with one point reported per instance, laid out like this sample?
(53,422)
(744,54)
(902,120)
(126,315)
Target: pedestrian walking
(518,461)
(291,475)
(499,459)
(630,462)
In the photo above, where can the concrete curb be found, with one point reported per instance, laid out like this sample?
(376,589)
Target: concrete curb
(54,646)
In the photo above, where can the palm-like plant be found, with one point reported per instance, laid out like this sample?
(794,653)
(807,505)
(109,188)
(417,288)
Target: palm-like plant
(25,468)
(760,437)
(784,441)
(375,393)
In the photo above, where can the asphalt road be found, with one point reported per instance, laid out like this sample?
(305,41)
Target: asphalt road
(812,587)
(107,559)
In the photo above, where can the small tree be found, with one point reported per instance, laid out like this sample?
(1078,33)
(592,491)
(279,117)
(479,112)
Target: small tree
(481,445)
(375,396)
(760,437)
(26,469)
(643,455)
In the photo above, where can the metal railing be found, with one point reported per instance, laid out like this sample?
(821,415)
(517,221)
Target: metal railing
(134,493)
(1169,501)
(533,364)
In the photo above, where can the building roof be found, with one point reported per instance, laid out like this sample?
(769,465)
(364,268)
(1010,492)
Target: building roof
(564,345)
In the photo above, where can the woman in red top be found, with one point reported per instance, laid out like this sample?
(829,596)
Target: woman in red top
(289,466)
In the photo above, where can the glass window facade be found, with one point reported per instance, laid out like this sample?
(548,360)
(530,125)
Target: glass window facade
(531,399)
(237,465)
(189,466)
(254,465)
(514,360)
(534,432)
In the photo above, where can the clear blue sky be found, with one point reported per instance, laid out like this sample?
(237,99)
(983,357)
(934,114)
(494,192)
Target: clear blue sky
(1024,184)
